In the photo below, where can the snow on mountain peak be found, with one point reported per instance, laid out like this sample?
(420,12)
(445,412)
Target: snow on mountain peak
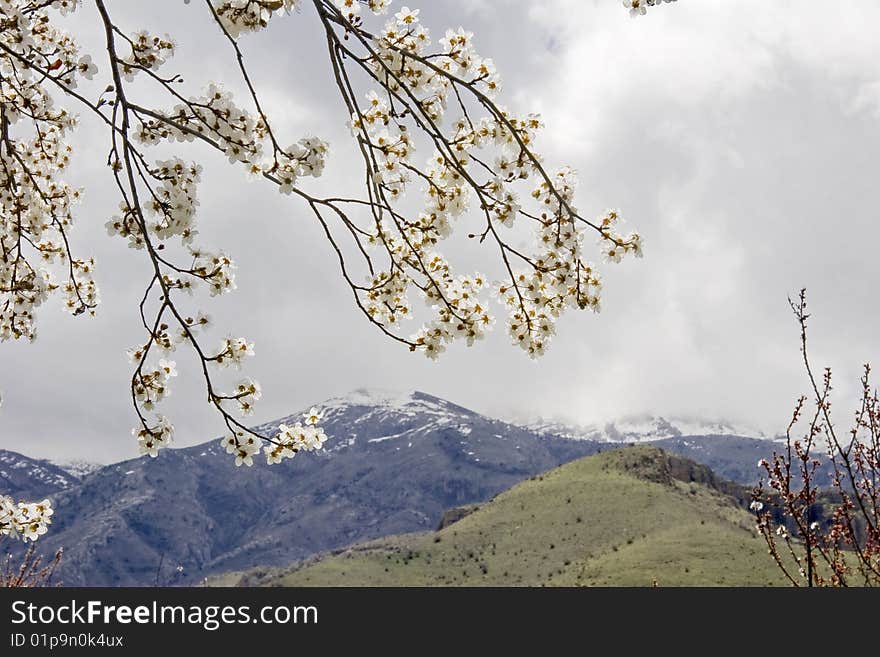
(409,403)
(373,397)
(18,470)
(376,415)
(646,428)
(418,411)
(77,467)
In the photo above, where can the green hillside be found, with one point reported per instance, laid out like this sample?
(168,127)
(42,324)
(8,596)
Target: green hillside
(629,517)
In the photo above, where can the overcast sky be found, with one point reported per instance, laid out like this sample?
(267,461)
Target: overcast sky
(739,137)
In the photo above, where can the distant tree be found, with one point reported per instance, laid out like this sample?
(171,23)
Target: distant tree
(810,549)
(401,91)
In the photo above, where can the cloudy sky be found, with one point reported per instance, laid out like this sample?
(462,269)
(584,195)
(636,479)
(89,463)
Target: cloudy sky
(739,137)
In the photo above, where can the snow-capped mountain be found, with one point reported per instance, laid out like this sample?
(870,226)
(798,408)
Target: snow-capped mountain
(369,417)
(376,416)
(78,468)
(645,429)
(394,462)
(27,478)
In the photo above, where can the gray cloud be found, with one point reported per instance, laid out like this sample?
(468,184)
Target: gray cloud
(738,137)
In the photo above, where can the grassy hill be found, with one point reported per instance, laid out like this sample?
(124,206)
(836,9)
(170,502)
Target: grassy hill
(628,517)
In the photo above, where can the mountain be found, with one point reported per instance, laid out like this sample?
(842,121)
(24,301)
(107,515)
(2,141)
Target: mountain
(732,457)
(731,449)
(395,463)
(77,467)
(645,429)
(32,479)
(634,516)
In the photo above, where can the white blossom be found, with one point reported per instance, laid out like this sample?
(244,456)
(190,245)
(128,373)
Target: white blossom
(243,447)
(25,520)
(640,7)
(313,416)
(241,16)
(233,351)
(154,437)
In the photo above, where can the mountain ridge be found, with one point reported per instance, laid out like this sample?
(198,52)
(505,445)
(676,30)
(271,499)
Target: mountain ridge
(28,478)
(645,428)
(634,516)
(394,464)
